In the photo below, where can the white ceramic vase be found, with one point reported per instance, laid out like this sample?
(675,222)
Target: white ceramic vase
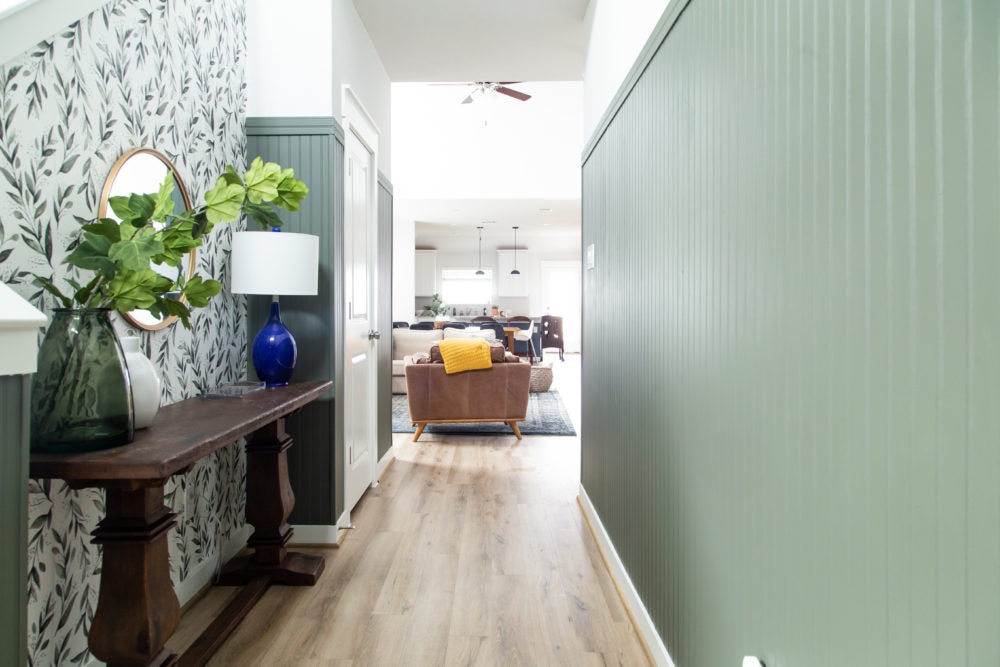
(145,382)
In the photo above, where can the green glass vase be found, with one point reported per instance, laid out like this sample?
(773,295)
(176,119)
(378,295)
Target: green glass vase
(80,396)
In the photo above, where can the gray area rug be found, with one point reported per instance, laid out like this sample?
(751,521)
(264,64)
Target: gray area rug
(546,416)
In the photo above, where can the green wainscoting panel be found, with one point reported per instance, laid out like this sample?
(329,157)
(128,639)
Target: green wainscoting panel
(314,147)
(791,362)
(384,416)
(14,519)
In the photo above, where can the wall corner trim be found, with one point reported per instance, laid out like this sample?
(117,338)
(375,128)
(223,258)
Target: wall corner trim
(384,182)
(651,639)
(663,27)
(293,126)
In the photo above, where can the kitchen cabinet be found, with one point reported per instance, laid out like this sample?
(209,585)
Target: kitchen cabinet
(425,273)
(512,285)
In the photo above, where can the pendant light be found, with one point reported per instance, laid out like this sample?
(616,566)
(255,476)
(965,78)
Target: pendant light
(480,272)
(515,272)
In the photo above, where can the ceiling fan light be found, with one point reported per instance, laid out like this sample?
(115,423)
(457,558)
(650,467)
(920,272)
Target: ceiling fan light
(515,272)
(480,272)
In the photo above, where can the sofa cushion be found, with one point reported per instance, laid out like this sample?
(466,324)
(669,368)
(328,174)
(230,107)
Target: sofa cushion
(411,341)
(470,333)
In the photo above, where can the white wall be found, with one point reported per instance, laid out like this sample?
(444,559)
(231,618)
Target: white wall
(403,291)
(25,27)
(299,61)
(617,32)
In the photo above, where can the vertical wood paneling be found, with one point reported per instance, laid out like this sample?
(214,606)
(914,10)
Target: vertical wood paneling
(796,212)
(384,322)
(313,147)
(14,519)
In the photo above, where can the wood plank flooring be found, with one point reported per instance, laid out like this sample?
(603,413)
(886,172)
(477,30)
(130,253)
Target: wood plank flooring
(471,551)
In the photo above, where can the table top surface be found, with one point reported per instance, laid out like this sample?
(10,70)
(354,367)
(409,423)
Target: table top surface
(181,434)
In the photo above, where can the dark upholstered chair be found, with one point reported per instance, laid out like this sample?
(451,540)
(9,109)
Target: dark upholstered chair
(497,330)
(422,326)
(400,325)
(454,325)
(552,334)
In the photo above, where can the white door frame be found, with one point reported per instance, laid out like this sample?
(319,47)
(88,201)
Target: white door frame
(359,122)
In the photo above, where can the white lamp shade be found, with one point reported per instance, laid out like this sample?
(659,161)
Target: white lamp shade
(274,263)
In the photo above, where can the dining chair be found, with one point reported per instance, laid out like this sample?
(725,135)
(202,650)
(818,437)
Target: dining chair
(552,334)
(526,336)
(497,329)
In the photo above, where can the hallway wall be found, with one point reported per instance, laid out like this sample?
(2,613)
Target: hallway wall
(132,73)
(795,213)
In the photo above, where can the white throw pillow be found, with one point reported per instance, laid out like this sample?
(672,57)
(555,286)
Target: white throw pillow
(470,333)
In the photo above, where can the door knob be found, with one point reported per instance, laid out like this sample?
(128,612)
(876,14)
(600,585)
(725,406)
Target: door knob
(374,335)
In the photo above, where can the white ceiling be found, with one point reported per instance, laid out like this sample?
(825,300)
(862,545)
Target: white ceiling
(498,159)
(478,40)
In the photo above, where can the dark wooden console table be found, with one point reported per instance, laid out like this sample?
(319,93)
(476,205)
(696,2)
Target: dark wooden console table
(137,608)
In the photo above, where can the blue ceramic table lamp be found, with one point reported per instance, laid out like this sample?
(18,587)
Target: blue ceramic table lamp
(274,263)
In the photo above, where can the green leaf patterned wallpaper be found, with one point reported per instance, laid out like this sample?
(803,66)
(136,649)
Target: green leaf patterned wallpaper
(169,75)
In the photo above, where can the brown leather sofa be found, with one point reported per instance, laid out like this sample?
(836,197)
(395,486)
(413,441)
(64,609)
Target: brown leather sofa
(494,394)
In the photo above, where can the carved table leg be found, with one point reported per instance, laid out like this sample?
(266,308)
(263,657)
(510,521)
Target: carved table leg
(137,609)
(269,503)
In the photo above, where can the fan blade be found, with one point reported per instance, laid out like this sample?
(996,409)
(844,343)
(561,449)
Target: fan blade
(516,94)
(467,100)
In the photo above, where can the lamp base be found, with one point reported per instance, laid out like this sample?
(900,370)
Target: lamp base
(274,351)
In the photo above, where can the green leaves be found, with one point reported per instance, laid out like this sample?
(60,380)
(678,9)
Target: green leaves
(291,191)
(263,214)
(262,181)
(124,254)
(137,251)
(198,291)
(223,201)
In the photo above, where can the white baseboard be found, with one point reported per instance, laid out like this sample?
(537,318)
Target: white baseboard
(202,575)
(636,609)
(389,457)
(327,536)
(324,535)
(334,535)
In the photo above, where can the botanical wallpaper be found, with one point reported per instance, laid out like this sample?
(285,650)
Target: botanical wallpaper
(168,74)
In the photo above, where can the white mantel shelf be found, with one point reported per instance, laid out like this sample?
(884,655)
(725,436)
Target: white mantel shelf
(19,324)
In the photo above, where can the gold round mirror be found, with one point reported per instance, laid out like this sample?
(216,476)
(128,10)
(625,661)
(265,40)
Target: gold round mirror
(141,171)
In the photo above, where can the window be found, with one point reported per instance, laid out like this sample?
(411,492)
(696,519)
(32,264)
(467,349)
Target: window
(464,286)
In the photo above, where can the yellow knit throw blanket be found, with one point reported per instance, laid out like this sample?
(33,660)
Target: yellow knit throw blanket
(465,354)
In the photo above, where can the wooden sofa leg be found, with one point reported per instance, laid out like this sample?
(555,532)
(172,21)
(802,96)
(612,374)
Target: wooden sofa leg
(516,428)
(420,429)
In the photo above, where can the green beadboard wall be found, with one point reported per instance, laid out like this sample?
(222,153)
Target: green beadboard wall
(791,360)
(314,147)
(14,519)
(384,325)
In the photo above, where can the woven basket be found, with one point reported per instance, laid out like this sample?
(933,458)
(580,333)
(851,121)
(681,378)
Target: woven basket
(541,377)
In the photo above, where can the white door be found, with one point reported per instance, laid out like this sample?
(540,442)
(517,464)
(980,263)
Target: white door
(561,296)
(360,270)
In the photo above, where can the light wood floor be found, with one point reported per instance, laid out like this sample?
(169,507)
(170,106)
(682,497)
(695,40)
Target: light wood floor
(471,551)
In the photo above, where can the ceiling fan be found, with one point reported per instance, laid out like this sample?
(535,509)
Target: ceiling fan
(484,87)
